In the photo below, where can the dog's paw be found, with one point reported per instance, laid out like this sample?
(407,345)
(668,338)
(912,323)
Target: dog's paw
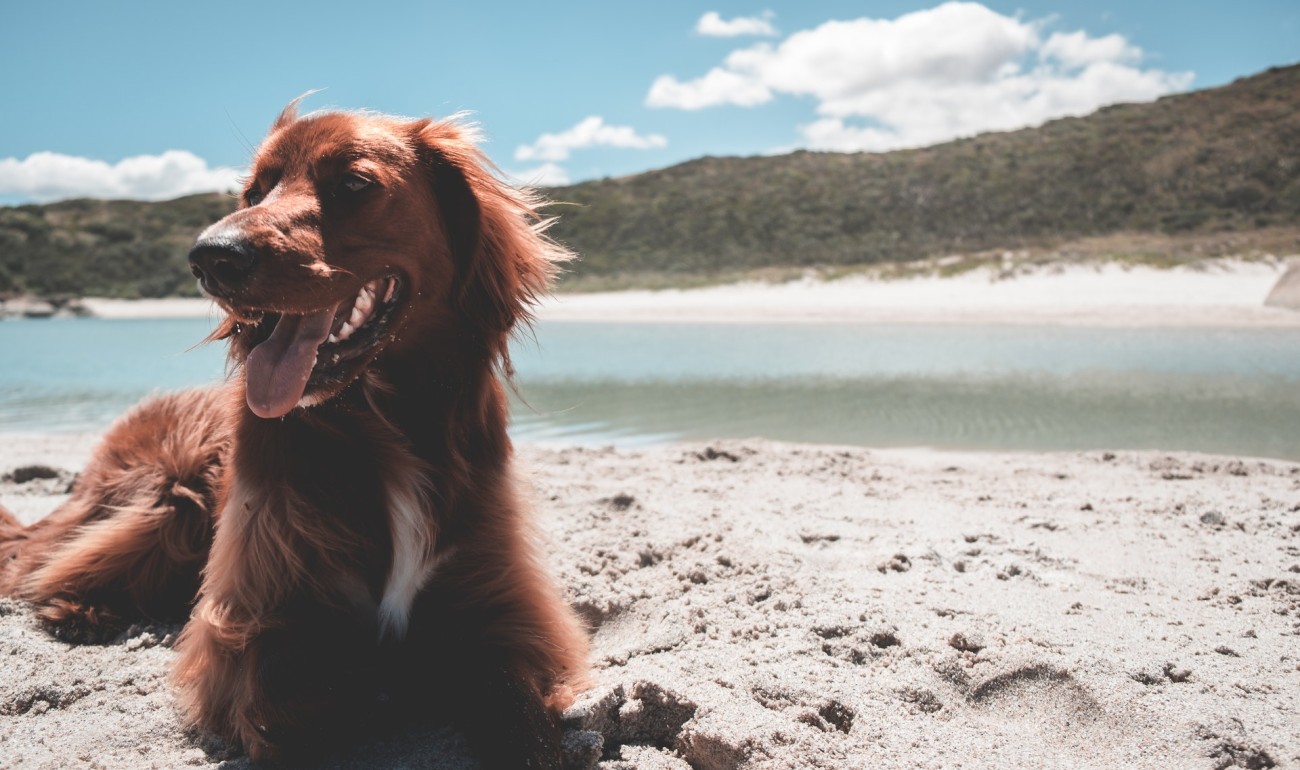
(79,623)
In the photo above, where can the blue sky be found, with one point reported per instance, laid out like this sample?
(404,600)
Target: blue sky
(619,87)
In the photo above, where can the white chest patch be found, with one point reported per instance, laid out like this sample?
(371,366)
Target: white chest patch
(414,561)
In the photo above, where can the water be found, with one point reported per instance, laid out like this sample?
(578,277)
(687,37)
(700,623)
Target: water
(1229,391)
(78,374)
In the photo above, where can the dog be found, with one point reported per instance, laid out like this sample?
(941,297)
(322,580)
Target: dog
(340,520)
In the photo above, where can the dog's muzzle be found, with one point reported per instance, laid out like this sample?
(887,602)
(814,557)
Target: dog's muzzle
(222,262)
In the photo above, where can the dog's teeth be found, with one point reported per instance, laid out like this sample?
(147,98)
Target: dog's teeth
(365,300)
(345,331)
(388,293)
(334,338)
(357,318)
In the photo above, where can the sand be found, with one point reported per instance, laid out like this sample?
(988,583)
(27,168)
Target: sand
(178,307)
(766,605)
(1219,293)
(1286,292)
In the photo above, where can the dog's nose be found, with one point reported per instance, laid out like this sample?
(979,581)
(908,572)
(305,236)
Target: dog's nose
(222,263)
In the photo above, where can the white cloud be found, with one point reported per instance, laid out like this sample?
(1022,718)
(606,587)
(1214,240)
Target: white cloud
(1076,49)
(834,134)
(954,70)
(713,25)
(720,86)
(589,132)
(545,175)
(46,176)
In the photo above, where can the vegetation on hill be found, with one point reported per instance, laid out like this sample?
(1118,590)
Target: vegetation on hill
(104,248)
(1208,161)
(1187,167)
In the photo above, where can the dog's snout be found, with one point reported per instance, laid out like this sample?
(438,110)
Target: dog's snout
(222,263)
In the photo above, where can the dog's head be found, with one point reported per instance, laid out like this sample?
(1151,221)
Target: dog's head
(361,239)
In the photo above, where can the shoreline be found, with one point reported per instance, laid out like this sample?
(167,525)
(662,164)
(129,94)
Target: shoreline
(1216,293)
(756,604)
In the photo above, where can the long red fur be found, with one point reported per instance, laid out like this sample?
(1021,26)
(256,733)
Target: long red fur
(277,537)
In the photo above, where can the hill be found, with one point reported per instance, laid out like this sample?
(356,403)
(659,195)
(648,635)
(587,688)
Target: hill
(1203,162)
(104,248)
(1187,168)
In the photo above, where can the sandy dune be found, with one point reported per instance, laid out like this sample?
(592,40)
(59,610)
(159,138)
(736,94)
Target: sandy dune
(762,605)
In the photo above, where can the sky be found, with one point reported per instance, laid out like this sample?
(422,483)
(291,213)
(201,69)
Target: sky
(157,99)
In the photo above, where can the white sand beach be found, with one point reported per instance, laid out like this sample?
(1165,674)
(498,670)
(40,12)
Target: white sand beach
(778,606)
(1215,293)
(179,307)
(1225,293)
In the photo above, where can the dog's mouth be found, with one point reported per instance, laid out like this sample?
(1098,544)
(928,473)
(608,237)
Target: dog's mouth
(297,353)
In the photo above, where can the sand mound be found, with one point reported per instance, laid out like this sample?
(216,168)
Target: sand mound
(760,605)
(1286,292)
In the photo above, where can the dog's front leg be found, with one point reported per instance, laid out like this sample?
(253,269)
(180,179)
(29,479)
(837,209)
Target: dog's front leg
(507,721)
(218,649)
(499,693)
(290,686)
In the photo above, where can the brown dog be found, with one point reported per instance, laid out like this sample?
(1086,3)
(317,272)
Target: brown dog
(350,489)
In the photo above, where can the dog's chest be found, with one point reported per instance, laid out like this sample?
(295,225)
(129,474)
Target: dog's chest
(352,509)
(415,556)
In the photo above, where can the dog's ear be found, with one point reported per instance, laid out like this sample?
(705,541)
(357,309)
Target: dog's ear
(504,259)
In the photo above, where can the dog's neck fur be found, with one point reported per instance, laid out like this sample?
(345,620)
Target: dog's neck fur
(451,405)
(400,496)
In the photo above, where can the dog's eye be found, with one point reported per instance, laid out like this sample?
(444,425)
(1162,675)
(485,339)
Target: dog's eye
(354,183)
(254,196)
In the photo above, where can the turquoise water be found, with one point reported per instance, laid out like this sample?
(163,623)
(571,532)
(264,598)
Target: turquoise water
(78,374)
(969,387)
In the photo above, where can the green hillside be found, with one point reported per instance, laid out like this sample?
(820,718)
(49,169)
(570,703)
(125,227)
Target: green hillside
(1208,161)
(104,248)
(1186,168)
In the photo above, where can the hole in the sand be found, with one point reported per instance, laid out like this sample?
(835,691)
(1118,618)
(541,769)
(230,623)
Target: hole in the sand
(620,502)
(885,639)
(898,563)
(26,473)
(641,714)
(832,632)
(1043,694)
(716,454)
(1018,678)
(596,614)
(1147,678)
(966,642)
(920,700)
(1229,752)
(837,715)
(649,558)
(1213,519)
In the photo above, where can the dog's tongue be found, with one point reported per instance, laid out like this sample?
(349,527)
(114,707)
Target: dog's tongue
(277,370)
